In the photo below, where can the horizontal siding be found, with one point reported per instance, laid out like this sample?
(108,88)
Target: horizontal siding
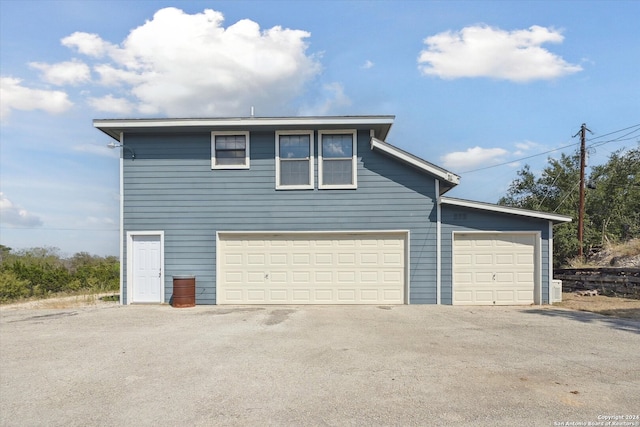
(170,186)
(477,220)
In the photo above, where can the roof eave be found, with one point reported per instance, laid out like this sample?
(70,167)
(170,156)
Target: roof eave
(113,127)
(449,178)
(555,218)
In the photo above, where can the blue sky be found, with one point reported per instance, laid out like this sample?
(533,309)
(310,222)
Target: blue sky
(472,85)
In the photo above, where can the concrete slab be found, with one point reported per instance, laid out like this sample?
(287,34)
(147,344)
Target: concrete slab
(316,365)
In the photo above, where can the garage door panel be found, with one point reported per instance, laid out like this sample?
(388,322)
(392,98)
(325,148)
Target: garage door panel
(504,277)
(392,276)
(494,268)
(392,295)
(369,295)
(524,259)
(256,294)
(482,296)
(255,277)
(505,295)
(480,277)
(346,258)
(235,277)
(346,277)
(309,268)
(346,295)
(525,295)
(323,295)
(464,296)
(369,277)
(301,296)
(369,258)
(483,259)
(278,295)
(504,259)
(233,259)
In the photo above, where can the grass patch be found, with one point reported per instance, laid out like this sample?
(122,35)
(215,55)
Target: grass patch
(624,308)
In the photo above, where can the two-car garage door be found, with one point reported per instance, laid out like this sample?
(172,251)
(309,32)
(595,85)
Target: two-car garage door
(311,268)
(495,268)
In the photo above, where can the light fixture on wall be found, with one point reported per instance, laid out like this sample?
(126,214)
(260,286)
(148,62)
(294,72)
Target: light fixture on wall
(113,145)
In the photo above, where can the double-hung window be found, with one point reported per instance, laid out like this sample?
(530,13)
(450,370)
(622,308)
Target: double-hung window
(230,150)
(337,155)
(294,160)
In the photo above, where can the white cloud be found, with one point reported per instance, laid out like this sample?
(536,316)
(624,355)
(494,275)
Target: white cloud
(472,157)
(71,72)
(87,44)
(368,64)
(483,51)
(334,97)
(111,104)
(523,147)
(93,222)
(14,96)
(98,150)
(15,216)
(191,65)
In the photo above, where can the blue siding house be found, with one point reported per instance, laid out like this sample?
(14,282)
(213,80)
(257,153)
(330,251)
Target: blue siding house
(312,210)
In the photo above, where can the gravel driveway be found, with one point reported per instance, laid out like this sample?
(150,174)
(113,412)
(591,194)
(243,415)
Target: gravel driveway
(316,365)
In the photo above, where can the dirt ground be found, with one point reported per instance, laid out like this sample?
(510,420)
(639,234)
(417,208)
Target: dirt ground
(625,308)
(61,302)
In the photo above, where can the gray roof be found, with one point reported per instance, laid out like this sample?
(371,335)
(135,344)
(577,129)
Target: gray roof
(554,217)
(113,127)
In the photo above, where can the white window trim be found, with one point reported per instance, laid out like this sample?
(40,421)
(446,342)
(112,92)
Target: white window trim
(213,150)
(354,160)
(280,186)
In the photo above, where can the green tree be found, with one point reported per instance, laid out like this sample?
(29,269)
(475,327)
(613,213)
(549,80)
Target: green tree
(612,207)
(614,200)
(555,190)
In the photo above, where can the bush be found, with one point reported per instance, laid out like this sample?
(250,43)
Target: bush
(12,287)
(42,271)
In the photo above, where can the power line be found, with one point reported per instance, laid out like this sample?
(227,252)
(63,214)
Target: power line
(615,131)
(565,197)
(619,139)
(597,144)
(523,158)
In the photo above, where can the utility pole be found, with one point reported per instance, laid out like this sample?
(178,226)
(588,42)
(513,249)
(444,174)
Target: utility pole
(583,155)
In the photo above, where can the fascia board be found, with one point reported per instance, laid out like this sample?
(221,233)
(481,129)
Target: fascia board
(556,218)
(415,161)
(114,126)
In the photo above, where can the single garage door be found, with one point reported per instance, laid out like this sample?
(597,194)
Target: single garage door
(313,268)
(494,269)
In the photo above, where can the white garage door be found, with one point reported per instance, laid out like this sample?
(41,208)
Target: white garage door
(494,269)
(314,268)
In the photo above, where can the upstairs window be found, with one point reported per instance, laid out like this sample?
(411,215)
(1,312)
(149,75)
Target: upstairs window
(337,160)
(230,150)
(294,160)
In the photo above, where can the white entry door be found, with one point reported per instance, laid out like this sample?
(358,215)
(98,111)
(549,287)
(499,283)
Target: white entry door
(147,269)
